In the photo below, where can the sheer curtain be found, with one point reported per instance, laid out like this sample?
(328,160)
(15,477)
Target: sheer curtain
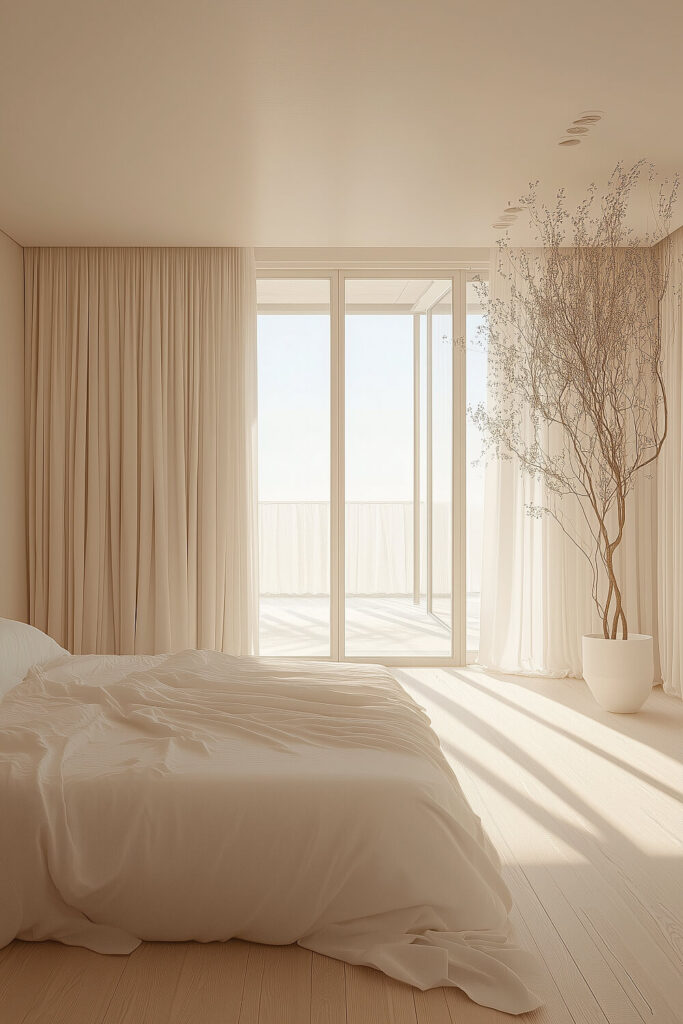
(536,585)
(670,483)
(141,448)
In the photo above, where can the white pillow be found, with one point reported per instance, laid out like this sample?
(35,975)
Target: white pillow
(22,646)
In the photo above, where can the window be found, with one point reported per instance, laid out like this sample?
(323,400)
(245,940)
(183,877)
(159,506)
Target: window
(365,475)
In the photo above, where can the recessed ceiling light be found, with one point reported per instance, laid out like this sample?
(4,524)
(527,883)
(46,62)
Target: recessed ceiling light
(501,225)
(513,209)
(589,117)
(569,142)
(579,129)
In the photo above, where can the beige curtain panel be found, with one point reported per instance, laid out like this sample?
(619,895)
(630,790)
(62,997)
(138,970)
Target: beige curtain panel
(670,483)
(141,433)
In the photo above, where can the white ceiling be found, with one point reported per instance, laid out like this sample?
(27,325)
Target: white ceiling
(305,122)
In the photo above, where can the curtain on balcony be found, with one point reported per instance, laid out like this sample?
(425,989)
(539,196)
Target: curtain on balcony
(141,407)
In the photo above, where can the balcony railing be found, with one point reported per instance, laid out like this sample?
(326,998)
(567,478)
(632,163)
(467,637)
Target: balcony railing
(295,553)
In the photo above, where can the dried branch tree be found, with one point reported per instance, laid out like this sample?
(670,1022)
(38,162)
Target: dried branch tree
(576,392)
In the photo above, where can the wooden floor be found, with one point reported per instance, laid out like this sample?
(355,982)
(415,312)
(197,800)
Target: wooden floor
(376,627)
(585,809)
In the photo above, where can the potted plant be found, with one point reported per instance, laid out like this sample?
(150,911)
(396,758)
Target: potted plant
(576,393)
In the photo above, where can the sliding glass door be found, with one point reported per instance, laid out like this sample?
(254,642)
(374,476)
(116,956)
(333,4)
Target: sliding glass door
(362,466)
(294,354)
(398,467)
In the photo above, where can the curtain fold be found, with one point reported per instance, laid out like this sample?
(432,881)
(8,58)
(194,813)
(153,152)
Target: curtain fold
(141,448)
(670,482)
(536,585)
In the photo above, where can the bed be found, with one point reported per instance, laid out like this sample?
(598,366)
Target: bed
(198,796)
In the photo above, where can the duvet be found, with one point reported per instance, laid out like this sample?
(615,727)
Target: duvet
(200,796)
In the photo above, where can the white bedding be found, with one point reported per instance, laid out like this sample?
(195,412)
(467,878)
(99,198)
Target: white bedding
(199,796)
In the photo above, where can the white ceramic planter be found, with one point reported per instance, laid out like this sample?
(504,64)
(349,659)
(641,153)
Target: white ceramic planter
(619,672)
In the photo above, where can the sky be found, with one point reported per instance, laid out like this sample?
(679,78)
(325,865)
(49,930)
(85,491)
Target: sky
(294,406)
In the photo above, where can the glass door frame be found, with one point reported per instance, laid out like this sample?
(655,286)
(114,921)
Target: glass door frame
(337,278)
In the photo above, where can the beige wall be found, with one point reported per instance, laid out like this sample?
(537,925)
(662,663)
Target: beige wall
(13,573)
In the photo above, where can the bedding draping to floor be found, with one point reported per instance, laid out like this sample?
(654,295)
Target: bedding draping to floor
(200,796)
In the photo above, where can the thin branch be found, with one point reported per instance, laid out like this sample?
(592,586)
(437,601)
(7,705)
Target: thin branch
(576,388)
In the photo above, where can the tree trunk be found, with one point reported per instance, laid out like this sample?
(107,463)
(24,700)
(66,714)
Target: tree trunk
(619,615)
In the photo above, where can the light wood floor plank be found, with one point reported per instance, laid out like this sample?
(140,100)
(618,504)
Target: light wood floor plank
(146,990)
(286,986)
(15,956)
(400,1001)
(464,1011)
(328,991)
(371,996)
(48,981)
(431,1007)
(79,990)
(8,951)
(211,984)
(251,997)
(24,977)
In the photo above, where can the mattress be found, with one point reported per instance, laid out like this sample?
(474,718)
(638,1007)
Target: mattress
(197,796)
